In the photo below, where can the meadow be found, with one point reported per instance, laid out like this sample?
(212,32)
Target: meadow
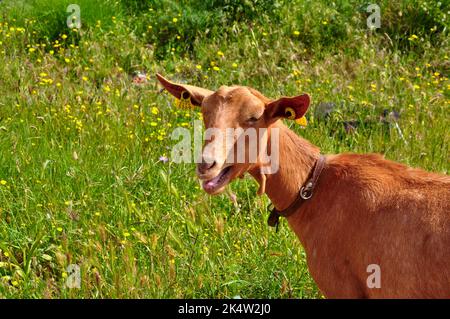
(86,172)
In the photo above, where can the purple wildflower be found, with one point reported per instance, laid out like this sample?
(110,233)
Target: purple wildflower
(163,159)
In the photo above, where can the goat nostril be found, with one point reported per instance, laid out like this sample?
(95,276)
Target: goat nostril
(212,165)
(204,166)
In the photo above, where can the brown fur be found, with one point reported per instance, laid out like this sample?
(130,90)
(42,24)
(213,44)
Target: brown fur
(368,210)
(365,209)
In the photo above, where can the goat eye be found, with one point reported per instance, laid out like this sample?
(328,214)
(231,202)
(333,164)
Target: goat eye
(252,119)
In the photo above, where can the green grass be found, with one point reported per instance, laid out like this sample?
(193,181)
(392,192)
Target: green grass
(80,143)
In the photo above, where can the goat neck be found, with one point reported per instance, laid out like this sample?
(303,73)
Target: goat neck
(297,158)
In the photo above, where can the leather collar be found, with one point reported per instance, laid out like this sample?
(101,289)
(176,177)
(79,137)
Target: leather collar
(305,193)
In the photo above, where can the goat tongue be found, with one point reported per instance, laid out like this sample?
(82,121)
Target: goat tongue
(217,181)
(210,185)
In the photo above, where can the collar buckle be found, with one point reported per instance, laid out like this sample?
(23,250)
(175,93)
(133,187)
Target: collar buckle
(306,191)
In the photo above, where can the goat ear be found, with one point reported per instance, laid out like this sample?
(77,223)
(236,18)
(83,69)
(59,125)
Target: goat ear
(291,108)
(180,91)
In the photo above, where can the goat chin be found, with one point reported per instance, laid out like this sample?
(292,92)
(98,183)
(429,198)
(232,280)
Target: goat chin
(217,192)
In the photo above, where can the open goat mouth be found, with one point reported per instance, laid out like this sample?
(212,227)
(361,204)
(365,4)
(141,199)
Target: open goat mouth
(212,185)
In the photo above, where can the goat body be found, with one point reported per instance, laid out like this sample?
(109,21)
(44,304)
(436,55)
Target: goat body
(365,211)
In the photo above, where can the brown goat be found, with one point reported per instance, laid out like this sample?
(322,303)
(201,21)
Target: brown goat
(365,210)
